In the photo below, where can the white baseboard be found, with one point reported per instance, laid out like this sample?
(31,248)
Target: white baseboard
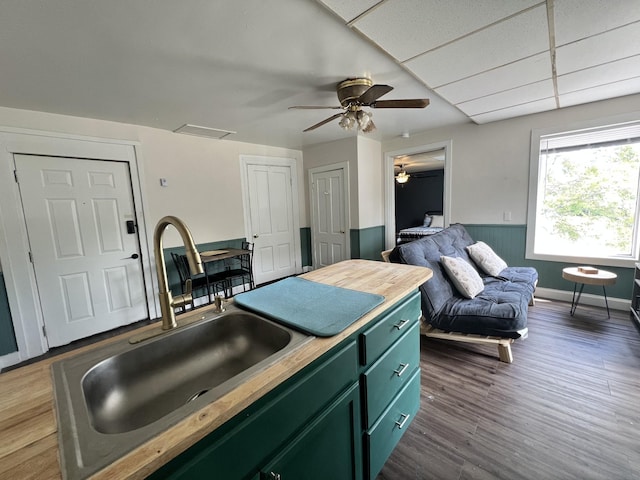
(10,359)
(585,298)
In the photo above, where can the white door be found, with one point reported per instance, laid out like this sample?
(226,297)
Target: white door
(86,264)
(271,221)
(329,232)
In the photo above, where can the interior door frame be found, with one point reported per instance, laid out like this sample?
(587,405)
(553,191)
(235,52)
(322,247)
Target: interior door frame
(292,163)
(389,186)
(344,166)
(22,291)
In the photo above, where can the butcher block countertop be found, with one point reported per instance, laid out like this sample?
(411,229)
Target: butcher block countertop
(28,430)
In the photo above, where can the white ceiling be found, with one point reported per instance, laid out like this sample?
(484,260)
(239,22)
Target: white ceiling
(239,65)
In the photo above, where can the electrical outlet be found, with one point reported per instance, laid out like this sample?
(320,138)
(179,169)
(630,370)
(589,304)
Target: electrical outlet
(506,216)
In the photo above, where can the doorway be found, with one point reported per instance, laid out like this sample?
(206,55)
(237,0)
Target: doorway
(328,187)
(270,193)
(419,187)
(421,162)
(22,286)
(81,229)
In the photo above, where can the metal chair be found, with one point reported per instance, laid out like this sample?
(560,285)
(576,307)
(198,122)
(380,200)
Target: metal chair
(243,271)
(209,283)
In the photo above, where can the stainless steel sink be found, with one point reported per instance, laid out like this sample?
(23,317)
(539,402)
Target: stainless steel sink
(114,398)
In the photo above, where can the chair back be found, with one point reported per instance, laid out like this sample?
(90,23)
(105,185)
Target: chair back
(180,262)
(246,260)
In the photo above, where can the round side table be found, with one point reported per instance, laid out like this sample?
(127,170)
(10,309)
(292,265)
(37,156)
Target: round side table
(603,277)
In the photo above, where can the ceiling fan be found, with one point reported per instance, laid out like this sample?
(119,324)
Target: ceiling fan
(355,93)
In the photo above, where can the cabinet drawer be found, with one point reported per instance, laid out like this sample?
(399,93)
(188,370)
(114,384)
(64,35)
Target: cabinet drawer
(385,434)
(383,380)
(379,337)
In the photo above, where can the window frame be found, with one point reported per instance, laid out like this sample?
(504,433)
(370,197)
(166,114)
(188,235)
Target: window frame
(535,180)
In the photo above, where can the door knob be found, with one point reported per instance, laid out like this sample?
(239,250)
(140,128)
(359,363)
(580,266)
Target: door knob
(255,235)
(133,255)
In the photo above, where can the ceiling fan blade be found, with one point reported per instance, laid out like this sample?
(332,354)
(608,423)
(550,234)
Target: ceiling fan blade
(326,120)
(373,93)
(311,107)
(407,103)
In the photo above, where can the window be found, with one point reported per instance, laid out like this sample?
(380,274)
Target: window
(583,195)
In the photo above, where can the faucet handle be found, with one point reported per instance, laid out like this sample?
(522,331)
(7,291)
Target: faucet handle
(219,305)
(185,298)
(188,289)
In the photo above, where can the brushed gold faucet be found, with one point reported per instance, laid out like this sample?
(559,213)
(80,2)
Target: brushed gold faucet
(167,301)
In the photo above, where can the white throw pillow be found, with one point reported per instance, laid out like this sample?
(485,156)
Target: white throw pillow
(437,221)
(463,275)
(486,258)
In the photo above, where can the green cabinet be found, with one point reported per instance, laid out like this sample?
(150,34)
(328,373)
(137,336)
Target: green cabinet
(339,418)
(328,448)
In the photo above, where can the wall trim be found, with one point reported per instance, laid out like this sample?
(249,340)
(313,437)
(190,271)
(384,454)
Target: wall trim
(9,359)
(586,299)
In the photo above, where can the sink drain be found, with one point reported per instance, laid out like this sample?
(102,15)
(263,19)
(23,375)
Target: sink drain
(197,395)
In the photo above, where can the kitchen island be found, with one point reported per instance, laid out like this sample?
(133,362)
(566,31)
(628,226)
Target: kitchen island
(29,441)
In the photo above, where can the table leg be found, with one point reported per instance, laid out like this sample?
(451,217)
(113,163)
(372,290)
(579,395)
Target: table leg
(574,300)
(605,301)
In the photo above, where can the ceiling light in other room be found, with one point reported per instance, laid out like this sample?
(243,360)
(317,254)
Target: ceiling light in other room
(208,132)
(403,176)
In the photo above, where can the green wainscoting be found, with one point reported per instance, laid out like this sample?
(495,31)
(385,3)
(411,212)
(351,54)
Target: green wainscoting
(7,336)
(509,242)
(305,246)
(367,243)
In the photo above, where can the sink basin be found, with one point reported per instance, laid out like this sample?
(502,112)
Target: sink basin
(114,398)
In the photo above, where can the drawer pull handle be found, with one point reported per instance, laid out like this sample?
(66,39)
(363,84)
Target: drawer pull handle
(274,476)
(401,324)
(403,420)
(401,369)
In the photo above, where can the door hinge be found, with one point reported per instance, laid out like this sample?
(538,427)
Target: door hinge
(44,331)
(15,175)
(30,257)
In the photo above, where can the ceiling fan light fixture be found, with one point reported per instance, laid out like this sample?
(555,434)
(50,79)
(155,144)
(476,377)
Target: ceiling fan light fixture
(370,126)
(348,120)
(364,119)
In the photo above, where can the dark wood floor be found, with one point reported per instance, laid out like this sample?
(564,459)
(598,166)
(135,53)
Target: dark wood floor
(568,407)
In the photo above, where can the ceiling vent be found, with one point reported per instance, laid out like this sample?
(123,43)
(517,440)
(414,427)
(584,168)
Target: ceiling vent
(216,133)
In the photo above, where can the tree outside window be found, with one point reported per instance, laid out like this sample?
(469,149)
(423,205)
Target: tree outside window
(587,193)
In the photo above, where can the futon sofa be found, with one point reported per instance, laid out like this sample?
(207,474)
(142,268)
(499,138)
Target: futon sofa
(498,309)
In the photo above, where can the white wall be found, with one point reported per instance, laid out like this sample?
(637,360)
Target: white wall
(370,183)
(490,163)
(203,174)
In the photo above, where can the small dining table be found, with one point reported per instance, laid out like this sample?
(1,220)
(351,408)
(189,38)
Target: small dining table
(211,256)
(222,254)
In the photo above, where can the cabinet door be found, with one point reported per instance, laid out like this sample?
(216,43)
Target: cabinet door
(330,447)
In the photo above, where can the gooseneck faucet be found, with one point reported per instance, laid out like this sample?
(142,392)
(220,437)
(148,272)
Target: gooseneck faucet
(167,301)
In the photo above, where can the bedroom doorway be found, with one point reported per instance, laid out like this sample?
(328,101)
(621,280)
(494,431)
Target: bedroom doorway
(417,183)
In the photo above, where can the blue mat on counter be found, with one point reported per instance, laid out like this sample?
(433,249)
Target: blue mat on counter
(312,307)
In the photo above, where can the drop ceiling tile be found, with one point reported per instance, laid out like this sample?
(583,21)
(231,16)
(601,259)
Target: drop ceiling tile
(405,28)
(349,9)
(523,72)
(602,74)
(577,19)
(516,111)
(519,37)
(607,47)
(516,96)
(602,92)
